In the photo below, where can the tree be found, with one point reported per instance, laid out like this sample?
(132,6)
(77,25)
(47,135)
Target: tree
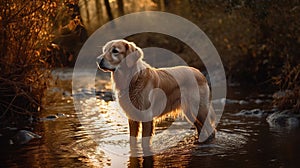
(120,7)
(108,10)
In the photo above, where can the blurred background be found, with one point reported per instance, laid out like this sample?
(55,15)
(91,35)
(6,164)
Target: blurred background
(258,41)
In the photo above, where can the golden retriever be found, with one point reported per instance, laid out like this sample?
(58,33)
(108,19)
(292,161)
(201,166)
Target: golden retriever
(145,93)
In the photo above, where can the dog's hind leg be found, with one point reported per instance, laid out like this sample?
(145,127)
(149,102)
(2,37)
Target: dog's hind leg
(192,116)
(205,124)
(202,116)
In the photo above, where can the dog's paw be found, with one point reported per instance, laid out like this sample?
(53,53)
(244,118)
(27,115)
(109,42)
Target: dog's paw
(208,140)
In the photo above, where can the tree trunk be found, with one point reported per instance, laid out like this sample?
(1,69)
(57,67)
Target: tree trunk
(108,10)
(162,5)
(120,7)
(86,4)
(98,9)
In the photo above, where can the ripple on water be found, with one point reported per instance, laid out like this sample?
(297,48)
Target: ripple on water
(110,130)
(224,144)
(71,143)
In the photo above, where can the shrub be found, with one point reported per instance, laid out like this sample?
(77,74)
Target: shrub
(26,31)
(289,83)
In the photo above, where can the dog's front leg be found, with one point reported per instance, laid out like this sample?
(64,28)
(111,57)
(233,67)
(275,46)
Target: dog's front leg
(134,131)
(147,131)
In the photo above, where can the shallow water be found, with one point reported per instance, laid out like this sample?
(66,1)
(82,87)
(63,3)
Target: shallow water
(97,135)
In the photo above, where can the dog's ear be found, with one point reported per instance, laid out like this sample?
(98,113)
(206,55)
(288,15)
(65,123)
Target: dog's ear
(133,54)
(130,47)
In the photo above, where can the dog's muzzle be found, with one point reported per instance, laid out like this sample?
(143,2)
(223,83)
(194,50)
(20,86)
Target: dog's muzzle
(98,62)
(101,65)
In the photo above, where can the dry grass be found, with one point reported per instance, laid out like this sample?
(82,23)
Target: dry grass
(289,84)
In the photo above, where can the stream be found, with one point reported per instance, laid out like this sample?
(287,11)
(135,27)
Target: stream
(97,136)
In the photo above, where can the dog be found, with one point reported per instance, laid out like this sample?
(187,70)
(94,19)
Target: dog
(146,93)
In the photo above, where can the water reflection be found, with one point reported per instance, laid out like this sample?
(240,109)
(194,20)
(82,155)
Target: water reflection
(100,139)
(108,128)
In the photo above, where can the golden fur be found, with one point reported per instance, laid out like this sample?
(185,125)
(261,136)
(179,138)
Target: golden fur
(146,93)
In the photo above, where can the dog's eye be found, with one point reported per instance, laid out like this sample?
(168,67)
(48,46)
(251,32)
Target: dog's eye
(115,51)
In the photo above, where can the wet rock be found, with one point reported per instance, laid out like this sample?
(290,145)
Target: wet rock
(61,115)
(11,128)
(49,118)
(252,113)
(66,94)
(258,101)
(219,101)
(243,102)
(281,94)
(105,95)
(87,92)
(293,122)
(285,119)
(78,95)
(230,101)
(52,117)
(108,96)
(83,93)
(23,137)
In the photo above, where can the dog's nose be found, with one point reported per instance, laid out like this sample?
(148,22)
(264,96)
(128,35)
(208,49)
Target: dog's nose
(99,61)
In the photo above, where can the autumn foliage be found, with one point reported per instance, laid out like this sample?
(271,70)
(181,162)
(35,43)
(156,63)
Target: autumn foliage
(27,28)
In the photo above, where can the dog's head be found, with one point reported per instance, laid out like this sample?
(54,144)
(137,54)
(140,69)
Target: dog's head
(118,53)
